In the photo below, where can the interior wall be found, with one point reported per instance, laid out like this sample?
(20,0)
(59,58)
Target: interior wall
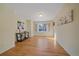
(7,28)
(28,26)
(32,28)
(68,34)
(48,33)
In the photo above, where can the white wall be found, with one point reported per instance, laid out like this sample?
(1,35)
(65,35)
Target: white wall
(28,26)
(32,28)
(68,34)
(7,28)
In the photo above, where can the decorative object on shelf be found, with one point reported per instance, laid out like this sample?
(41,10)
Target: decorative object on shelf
(22,36)
(20,26)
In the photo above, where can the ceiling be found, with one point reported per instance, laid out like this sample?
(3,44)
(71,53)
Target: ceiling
(36,11)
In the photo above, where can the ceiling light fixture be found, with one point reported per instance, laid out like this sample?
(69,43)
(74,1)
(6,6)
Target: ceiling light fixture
(40,15)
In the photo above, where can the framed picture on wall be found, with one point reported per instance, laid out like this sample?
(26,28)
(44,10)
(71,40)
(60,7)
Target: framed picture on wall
(69,16)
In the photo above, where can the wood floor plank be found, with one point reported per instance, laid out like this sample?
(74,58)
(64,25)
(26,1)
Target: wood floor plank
(37,46)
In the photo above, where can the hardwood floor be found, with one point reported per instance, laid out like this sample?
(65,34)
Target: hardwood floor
(37,46)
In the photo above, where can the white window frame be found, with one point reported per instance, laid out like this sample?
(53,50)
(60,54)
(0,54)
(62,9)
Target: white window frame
(42,31)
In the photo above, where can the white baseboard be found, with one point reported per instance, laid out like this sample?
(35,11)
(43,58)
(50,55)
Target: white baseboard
(2,51)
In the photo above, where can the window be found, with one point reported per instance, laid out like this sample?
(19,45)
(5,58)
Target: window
(42,27)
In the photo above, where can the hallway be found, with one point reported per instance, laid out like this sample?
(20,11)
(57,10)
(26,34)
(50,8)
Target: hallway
(37,46)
